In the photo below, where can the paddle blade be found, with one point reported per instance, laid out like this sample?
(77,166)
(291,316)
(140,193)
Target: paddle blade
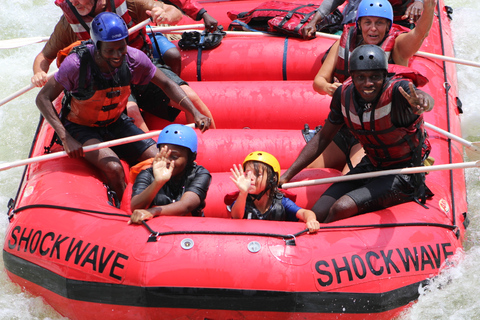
(473,152)
(20,42)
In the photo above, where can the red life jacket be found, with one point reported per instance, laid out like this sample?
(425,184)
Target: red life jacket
(81,25)
(102,101)
(385,144)
(191,7)
(348,44)
(278,16)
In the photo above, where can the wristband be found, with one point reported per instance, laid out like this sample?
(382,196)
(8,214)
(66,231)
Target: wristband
(180,102)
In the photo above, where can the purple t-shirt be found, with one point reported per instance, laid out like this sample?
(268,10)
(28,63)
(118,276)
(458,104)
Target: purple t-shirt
(141,68)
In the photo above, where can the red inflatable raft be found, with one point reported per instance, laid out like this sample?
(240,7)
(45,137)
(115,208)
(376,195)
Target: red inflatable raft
(67,244)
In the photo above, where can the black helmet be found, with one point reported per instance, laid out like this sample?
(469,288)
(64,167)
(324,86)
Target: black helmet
(368,57)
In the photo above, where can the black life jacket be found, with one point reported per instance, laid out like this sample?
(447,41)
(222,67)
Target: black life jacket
(276,212)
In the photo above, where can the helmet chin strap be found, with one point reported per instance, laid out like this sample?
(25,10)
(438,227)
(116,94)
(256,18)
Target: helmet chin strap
(256,197)
(91,13)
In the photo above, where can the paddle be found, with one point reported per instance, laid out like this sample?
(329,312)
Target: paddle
(473,148)
(21,42)
(22,91)
(176,29)
(130,31)
(419,53)
(411,170)
(98,146)
(336,37)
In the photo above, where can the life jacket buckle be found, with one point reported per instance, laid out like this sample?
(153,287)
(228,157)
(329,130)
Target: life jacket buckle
(109,107)
(113,94)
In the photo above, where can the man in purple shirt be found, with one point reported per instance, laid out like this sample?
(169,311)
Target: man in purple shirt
(96,81)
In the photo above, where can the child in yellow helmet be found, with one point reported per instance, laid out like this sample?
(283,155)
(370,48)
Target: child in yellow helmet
(259,197)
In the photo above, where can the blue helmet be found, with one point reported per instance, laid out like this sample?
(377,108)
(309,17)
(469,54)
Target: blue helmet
(375,8)
(179,135)
(108,27)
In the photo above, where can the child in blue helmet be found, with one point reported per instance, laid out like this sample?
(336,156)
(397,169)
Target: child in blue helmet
(175,184)
(259,197)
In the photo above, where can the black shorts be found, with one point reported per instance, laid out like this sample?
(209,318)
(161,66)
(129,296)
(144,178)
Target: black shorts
(374,193)
(345,140)
(123,127)
(152,99)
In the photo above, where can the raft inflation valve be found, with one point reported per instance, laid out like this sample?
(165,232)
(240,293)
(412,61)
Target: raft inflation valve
(187,244)
(254,246)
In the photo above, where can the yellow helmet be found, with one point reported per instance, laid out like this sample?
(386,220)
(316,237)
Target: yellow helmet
(266,158)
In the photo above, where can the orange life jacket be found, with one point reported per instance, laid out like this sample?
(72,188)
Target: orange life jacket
(101,101)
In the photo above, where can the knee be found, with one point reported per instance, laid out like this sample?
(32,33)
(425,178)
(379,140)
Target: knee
(172,54)
(172,57)
(114,170)
(342,209)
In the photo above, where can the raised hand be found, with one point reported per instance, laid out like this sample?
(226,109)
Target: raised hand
(162,165)
(238,177)
(413,12)
(420,102)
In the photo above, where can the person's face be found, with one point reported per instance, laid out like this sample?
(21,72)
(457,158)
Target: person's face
(83,6)
(179,156)
(113,53)
(258,182)
(368,83)
(373,29)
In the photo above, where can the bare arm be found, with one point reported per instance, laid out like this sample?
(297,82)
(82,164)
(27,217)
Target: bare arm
(162,172)
(243,183)
(310,219)
(238,208)
(177,95)
(327,7)
(161,13)
(44,101)
(166,14)
(189,202)
(61,37)
(40,68)
(210,22)
(324,78)
(311,151)
(407,44)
